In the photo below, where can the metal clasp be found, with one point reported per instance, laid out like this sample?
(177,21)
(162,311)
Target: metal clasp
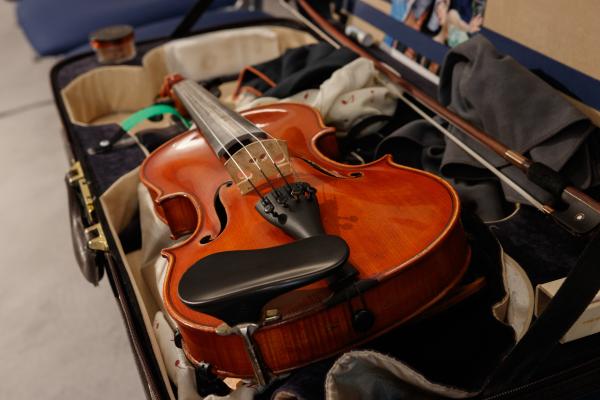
(75,177)
(96,240)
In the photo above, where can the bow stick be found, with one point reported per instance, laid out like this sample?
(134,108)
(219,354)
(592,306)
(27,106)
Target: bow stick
(579,213)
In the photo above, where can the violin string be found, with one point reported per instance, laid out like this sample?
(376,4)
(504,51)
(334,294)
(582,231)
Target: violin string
(287,183)
(249,131)
(283,152)
(192,100)
(230,130)
(185,90)
(260,141)
(193,87)
(526,195)
(231,133)
(294,174)
(273,161)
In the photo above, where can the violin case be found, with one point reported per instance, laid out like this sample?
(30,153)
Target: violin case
(474,349)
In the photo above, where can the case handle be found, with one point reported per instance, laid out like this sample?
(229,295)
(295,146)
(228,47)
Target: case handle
(192,16)
(571,300)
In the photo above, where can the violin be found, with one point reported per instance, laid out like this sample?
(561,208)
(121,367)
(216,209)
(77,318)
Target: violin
(286,255)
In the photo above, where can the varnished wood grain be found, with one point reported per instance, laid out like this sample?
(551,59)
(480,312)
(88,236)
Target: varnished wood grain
(401,226)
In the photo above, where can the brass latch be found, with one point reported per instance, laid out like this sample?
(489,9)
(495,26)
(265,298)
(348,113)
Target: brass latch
(95,238)
(75,176)
(94,235)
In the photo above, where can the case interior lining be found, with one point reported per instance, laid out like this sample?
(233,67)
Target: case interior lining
(99,95)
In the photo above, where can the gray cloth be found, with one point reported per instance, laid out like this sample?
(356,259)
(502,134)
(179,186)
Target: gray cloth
(361,379)
(504,99)
(420,145)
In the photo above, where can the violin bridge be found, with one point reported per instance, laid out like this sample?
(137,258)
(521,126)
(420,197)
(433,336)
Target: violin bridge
(257,160)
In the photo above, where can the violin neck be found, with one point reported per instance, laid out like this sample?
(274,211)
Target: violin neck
(248,155)
(225,131)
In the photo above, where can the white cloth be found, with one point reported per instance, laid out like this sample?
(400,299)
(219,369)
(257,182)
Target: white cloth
(362,375)
(227,52)
(521,299)
(181,372)
(352,93)
(358,375)
(155,237)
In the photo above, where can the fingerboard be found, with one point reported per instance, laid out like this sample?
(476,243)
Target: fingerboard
(224,129)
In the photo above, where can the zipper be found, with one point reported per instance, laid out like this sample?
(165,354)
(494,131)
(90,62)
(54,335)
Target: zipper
(581,376)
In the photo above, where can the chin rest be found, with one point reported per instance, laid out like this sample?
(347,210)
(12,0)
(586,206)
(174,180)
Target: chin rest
(235,285)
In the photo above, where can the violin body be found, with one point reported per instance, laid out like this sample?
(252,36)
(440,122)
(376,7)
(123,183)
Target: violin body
(401,226)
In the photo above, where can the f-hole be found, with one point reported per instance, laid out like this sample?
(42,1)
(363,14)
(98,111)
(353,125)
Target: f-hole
(221,213)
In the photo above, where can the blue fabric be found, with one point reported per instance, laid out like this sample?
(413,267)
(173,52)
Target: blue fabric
(211,19)
(57,26)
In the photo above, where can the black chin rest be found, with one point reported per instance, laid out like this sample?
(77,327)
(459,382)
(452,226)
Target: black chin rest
(235,285)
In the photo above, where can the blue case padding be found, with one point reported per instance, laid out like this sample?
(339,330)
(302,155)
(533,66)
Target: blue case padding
(57,26)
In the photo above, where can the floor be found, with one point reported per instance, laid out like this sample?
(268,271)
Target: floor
(60,337)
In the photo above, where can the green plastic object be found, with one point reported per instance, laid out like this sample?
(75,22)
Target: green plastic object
(149,112)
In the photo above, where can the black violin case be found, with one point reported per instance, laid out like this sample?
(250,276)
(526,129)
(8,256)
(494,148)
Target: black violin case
(460,347)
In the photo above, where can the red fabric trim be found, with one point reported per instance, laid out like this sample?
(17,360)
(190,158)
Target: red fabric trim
(252,90)
(239,88)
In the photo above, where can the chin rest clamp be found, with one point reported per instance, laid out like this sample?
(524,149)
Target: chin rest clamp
(246,330)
